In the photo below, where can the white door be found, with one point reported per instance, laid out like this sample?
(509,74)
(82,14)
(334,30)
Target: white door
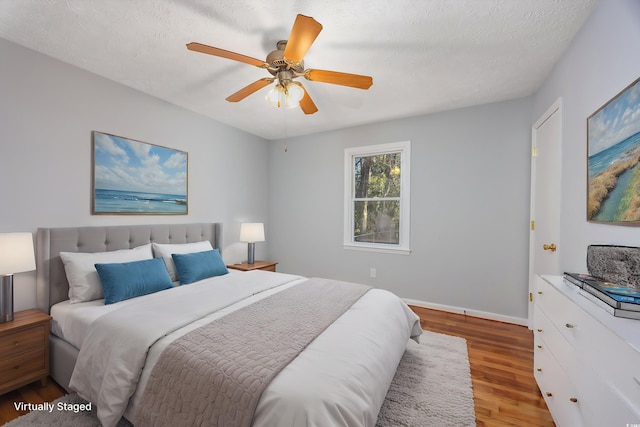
(544,245)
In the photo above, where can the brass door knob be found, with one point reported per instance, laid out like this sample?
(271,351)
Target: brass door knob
(551,247)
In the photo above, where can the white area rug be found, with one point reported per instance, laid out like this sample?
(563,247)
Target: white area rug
(432,387)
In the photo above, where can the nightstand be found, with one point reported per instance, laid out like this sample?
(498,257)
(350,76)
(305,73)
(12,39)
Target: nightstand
(24,350)
(258,265)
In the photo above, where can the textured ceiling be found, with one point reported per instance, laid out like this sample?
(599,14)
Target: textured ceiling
(424,56)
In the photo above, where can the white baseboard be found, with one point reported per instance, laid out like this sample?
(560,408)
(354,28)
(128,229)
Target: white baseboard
(469,312)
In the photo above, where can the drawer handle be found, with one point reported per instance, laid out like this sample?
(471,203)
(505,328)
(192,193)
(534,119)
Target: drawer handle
(539,369)
(573,399)
(539,346)
(539,330)
(539,292)
(569,325)
(549,394)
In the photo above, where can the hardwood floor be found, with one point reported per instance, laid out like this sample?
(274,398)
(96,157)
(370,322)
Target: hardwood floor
(500,355)
(32,393)
(501,360)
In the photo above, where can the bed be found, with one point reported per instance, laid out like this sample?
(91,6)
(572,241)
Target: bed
(134,357)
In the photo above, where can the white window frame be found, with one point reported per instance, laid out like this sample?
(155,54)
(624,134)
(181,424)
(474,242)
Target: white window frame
(404,147)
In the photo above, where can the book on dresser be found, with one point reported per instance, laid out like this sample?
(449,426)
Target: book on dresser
(617,312)
(578,279)
(617,297)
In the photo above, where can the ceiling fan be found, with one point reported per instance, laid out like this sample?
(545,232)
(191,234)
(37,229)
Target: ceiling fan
(286,64)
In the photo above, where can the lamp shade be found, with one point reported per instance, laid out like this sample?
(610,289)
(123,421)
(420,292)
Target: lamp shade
(252,232)
(16,253)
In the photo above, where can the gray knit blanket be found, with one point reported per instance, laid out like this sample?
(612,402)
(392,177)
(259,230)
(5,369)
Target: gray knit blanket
(215,375)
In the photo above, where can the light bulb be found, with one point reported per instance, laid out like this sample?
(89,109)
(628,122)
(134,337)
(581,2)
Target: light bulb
(294,95)
(275,96)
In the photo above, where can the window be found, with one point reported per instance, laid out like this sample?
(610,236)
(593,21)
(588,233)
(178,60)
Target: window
(377,197)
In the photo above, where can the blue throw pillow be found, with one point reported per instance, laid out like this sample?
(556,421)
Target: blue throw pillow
(198,265)
(126,280)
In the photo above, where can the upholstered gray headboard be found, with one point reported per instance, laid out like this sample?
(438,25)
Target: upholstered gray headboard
(51,280)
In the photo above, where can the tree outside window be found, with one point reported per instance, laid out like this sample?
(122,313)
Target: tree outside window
(377,196)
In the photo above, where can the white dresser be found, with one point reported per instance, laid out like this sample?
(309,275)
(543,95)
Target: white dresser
(586,361)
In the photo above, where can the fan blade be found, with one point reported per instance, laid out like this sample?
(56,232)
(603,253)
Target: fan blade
(248,90)
(306,103)
(210,50)
(344,79)
(304,32)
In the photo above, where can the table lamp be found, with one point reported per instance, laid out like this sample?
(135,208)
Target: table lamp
(251,232)
(16,256)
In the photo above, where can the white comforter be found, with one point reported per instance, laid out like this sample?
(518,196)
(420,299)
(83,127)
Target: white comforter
(341,378)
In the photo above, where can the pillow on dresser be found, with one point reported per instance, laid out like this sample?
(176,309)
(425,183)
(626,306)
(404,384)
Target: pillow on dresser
(84,283)
(121,281)
(165,251)
(199,265)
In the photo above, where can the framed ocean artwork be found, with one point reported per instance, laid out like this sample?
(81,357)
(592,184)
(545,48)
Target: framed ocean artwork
(613,156)
(136,178)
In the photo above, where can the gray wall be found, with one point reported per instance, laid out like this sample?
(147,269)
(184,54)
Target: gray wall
(602,60)
(470,173)
(47,112)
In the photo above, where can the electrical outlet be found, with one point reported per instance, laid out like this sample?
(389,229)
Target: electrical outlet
(372,273)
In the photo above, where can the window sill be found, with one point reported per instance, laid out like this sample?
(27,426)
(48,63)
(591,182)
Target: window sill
(383,250)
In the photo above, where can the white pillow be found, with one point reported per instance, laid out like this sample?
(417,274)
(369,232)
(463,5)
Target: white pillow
(84,282)
(164,251)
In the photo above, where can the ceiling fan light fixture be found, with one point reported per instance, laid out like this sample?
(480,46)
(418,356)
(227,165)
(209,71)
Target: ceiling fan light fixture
(288,97)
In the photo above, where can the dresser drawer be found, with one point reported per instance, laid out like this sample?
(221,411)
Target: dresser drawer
(547,335)
(23,341)
(606,404)
(558,392)
(558,308)
(21,365)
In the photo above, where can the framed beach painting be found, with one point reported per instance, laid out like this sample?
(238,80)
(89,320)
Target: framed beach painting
(613,154)
(136,178)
